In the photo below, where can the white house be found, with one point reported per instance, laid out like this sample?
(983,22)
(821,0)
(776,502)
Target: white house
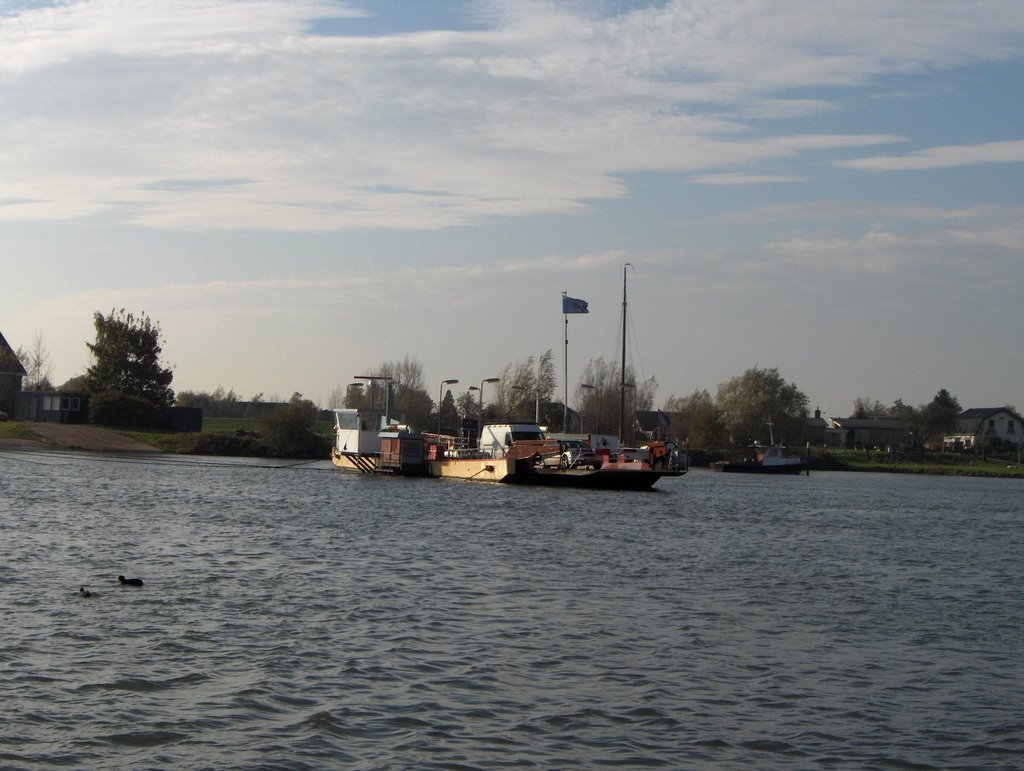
(981,425)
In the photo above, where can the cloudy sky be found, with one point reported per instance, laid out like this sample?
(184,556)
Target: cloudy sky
(296,191)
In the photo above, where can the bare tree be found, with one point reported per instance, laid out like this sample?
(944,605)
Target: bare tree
(37,363)
(523,385)
(602,400)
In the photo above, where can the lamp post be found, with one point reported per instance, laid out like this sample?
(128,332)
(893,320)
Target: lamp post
(478,426)
(481,389)
(387,402)
(440,396)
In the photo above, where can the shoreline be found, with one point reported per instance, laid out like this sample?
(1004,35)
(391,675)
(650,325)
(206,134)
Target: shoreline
(62,436)
(89,438)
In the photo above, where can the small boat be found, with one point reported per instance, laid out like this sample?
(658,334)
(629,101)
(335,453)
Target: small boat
(764,459)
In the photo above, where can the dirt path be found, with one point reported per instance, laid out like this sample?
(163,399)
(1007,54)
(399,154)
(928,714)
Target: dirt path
(74,437)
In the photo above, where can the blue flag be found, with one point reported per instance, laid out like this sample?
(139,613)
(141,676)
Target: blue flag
(572,305)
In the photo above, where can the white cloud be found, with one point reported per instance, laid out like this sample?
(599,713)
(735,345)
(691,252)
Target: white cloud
(106,105)
(943,157)
(983,244)
(727,180)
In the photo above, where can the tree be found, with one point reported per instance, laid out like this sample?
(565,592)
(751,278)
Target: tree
(747,403)
(939,416)
(408,397)
(601,405)
(863,408)
(338,397)
(37,364)
(911,420)
(522,385)
(467,404)
(696,418)
(79,384)
(287,433)
(449,414)
(220,403)
(127,359)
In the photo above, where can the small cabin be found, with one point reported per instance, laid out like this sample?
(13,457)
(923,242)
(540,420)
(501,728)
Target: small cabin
(402,452)
(51,406)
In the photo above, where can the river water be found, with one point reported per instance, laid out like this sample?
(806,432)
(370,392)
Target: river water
(300,617)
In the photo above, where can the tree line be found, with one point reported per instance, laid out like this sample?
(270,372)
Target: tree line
(128,384)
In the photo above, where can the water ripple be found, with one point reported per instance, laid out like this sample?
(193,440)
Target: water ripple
(297,619)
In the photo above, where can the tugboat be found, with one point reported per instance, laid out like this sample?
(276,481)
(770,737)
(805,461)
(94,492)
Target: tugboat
(764,459)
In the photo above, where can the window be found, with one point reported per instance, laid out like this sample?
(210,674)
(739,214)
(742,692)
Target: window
(1011,427)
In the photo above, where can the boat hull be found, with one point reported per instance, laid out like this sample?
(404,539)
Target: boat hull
(628,476)
(474,469)
(758,468)
(600,479)
(352,461)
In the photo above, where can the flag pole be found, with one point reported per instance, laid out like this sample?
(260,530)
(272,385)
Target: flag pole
(565,376)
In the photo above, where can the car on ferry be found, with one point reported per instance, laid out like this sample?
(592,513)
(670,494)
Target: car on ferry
(574,453)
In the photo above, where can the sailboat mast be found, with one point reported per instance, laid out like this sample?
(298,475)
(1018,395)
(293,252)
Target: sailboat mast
(622,364)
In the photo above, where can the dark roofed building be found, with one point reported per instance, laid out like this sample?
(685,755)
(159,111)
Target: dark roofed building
(653,424)
(870,431)
(11,373)
(980,426)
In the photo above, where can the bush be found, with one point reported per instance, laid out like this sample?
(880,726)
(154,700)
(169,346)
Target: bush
(287,433)
(122,411)
(225,444)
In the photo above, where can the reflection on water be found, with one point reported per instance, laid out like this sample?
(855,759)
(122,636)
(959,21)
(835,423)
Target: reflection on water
(302,617)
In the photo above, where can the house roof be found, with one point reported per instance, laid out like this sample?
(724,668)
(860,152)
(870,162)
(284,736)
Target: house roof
(980,413)
(9,363)
(883,422)
(649,420)
(973,418)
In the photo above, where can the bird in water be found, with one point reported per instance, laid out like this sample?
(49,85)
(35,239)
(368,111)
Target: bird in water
(129,581)
(83,592)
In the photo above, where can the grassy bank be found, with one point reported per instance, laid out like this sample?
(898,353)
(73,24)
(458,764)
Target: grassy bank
(947,464)
(11,430)
(240,437)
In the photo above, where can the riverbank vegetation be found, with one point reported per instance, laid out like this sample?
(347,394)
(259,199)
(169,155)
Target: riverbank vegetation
(294,431)
(128,388)
(936,463)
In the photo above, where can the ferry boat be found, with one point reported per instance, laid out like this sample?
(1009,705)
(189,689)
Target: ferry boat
(508,453)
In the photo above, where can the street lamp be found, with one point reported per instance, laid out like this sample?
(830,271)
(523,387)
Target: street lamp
(387,402)
(481,389)
(440,396)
